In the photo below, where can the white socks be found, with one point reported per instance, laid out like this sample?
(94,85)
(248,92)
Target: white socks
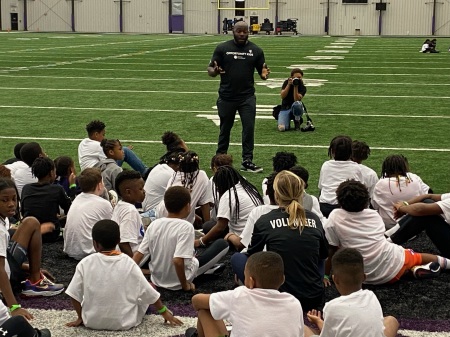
(443,262)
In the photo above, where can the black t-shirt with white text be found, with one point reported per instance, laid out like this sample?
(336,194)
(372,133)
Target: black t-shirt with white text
(301,252)
(239,63)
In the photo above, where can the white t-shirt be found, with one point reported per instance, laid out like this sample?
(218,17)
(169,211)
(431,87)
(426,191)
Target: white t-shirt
(86,210)
(15,166)
(255,214)
(155,186)
(4,241)
(444,204)
(425,47)
(113,292)
(201,194)
(246,205)
(370,178)
(356,315)
(89,153)
(258,312)
(4,313)
(414,177)
(130,223)
(364,231)
(165,239)
(388,191)
(22,177)
(332,174)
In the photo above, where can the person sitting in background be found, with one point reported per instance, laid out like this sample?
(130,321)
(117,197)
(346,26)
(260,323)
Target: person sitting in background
(90,152)
(66,176)
(360,152)
(357,312)
(22,176)
(111,280)
(44,199)
(426,46)
(112,148)
(17,157)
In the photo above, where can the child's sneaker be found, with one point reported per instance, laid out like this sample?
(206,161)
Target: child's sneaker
(429,270)
(309,127)
(44,287)
(191,332)
(43,333)
(248,166)
(217,269)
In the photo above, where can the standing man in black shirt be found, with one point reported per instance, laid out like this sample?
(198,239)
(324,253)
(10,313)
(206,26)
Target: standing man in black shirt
(235,61)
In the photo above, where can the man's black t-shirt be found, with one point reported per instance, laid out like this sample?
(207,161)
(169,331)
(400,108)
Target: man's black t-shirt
(239,64)
(301,252)
(287,102)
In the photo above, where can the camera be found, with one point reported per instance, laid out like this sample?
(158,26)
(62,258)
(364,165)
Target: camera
(296,81)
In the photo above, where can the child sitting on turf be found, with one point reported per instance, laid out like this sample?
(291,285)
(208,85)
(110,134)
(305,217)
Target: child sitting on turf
(25,244)
(170,243)
(87,209)
(256,309)
(112,148)
(356,226)
(357,312)
(66,176)
(108,290)
(44,199)
(130,188)
(196,181)
(335,171)
(360,152)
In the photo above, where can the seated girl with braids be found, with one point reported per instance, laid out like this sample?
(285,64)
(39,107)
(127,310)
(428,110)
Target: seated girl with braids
(196,181)
(395,185)
(236,198)
(112,148)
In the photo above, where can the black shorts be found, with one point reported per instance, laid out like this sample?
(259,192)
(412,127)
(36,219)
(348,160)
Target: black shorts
(16,256)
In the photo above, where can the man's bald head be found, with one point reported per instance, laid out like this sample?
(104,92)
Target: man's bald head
(241,25)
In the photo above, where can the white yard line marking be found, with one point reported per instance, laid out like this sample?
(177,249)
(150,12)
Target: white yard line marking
(232,144)
(213,92)
(262,109)
(332,51)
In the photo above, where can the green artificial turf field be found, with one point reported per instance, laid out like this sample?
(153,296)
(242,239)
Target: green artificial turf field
(380,90)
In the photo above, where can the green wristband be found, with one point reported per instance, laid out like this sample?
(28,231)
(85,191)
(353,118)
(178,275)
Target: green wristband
(14,307)
(73,186)
(326,277)
(162,310)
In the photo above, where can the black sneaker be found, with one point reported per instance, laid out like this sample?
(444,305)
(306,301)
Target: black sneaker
(309,127)
(43,333)
(191,332)
(430,270)
(248,166)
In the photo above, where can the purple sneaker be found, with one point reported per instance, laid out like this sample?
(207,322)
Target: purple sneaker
(44,287)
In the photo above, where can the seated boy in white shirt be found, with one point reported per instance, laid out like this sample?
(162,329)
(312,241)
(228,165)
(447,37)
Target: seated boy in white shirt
(356,226)
(87,208)
(357,312)
(108,290)
(170,243)
(130,188)
(256,309)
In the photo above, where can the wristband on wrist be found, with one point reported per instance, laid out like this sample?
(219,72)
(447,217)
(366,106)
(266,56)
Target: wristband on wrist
(326,277)
(405,203)
(73,186)
(162,310)
(201,242)
(14,307)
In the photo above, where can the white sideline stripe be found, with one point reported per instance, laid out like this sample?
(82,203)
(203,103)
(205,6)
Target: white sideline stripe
(214,92)
(260,108)
(233,144)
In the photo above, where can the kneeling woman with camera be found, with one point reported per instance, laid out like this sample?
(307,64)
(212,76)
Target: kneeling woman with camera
(292,93)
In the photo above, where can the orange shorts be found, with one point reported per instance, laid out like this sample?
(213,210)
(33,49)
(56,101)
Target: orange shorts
(411,259)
